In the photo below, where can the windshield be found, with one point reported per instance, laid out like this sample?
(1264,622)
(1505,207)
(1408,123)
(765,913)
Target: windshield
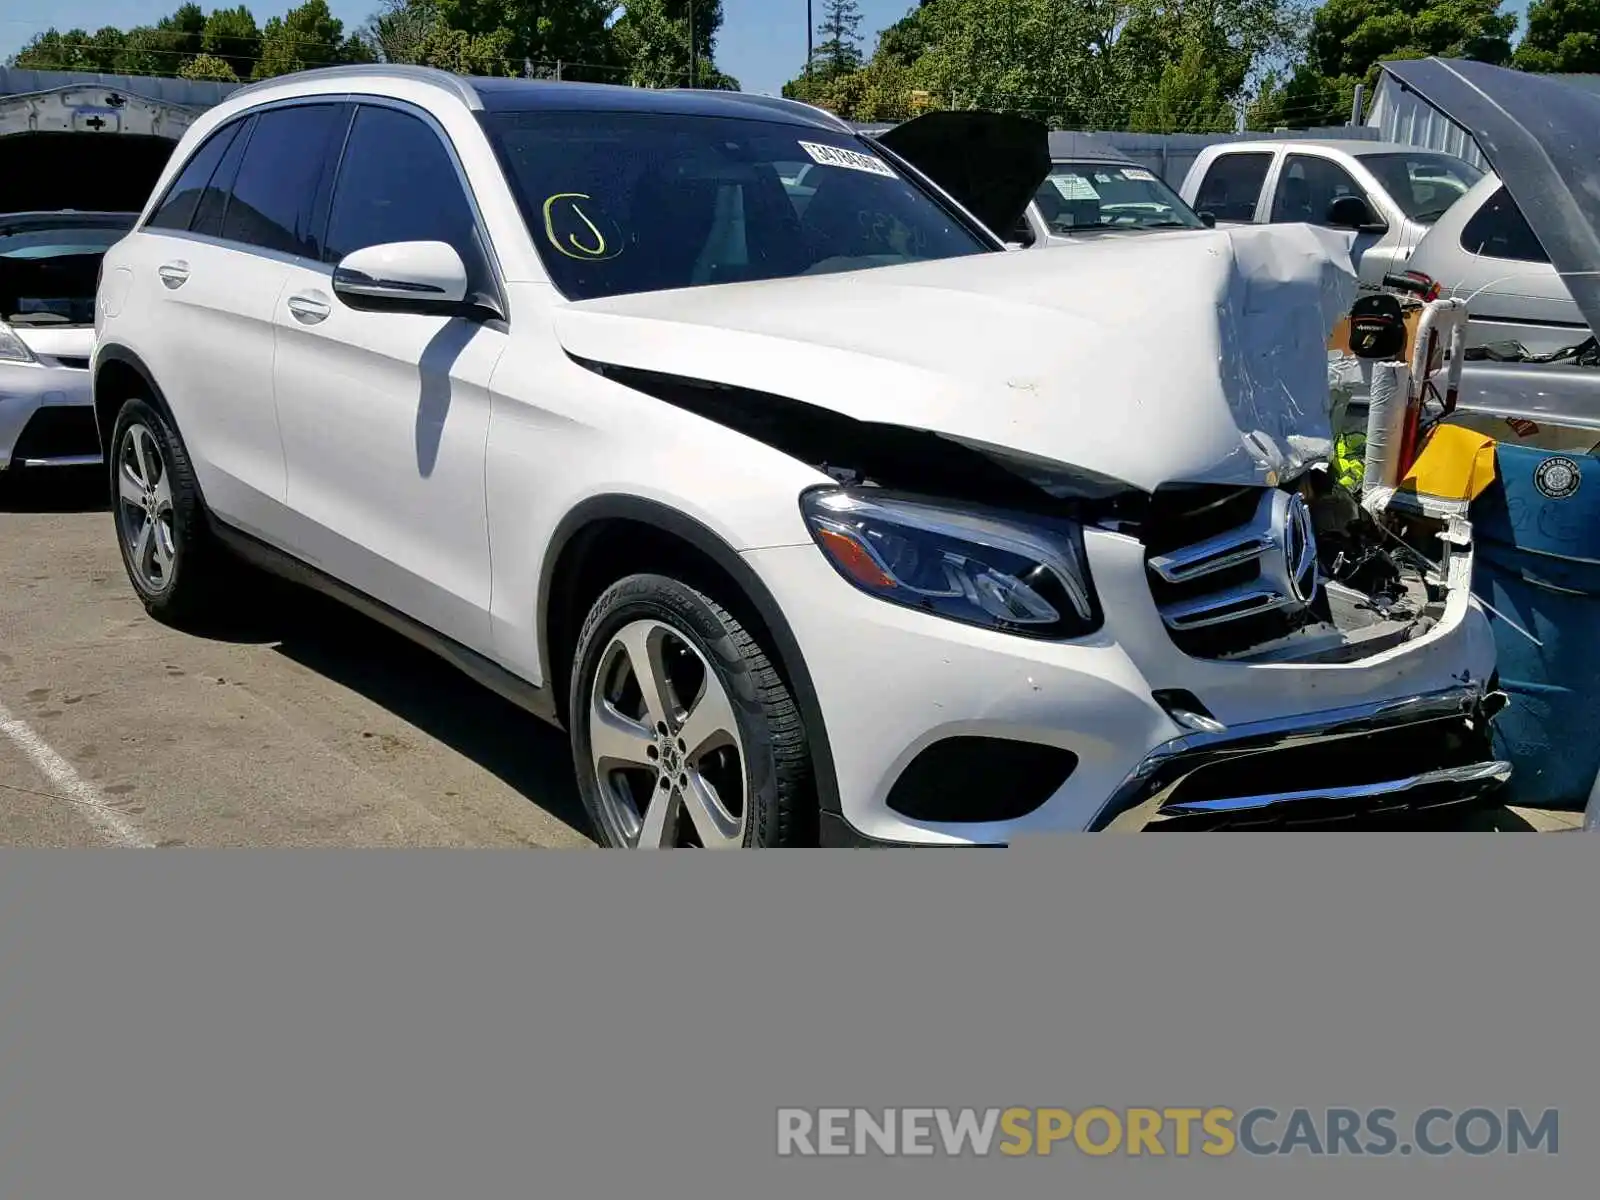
(1422,183)
(48,274)
(1087,196)
(633,202)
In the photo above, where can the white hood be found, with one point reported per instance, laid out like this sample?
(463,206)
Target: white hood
(1184,357)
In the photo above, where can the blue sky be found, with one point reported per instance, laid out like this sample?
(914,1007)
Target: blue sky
(763,42)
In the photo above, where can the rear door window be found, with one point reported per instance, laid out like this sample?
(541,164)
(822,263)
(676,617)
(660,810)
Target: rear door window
(1232,185)
(274,200)
(1307,189)
(183,197)
(1499,230)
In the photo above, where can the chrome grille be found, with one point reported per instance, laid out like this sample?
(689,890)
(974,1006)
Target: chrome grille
(1262,564)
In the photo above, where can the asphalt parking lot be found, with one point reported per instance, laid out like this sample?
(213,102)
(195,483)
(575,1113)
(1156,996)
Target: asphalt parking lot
(292,723)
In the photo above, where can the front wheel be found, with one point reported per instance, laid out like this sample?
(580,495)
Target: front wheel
(683,733)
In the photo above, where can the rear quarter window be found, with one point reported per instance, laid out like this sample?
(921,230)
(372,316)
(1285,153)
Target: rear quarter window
(177,209)
(1499,230)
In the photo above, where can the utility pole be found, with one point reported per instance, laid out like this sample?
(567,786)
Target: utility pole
(810,51)
(694,73)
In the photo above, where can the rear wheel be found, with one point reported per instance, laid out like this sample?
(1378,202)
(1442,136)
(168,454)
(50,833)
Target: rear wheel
(683,733)
(171,559)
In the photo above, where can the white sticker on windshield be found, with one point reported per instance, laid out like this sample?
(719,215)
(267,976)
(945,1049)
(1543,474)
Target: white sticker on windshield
(1074,187)
(850,160)
(1137,173)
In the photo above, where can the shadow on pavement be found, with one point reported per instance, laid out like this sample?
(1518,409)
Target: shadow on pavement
(54,490)
(533,758)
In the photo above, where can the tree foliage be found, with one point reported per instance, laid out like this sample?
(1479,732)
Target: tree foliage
(1349,38)
(1180,65)
(652,40)
(1563,35)
(645,42)
(208,66)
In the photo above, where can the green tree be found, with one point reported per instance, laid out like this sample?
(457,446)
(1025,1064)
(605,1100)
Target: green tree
(74,50)
(208,66)
(1188,98)
(545,32)
(1563,35)
(147,50)
(183,33)
(651,42)
(839,51)
(1349,38)
(231,34)
(397,31)
(303,38)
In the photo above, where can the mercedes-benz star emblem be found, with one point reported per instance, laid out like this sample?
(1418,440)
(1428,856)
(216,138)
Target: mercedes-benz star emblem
(1299,539)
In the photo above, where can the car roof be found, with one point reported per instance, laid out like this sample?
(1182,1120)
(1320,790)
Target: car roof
(1084,147)
(540,95)
(1359,147)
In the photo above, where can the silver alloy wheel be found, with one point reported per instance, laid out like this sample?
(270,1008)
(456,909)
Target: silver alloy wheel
(670,771)
(144,507)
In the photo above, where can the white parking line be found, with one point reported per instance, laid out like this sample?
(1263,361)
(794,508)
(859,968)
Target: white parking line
(82,794)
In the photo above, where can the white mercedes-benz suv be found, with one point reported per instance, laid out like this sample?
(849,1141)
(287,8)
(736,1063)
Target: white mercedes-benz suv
(811,513)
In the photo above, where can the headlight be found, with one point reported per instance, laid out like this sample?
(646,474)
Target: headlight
(12,348)
(972,566)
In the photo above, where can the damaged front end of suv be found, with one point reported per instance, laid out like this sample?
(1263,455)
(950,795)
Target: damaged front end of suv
(1099,482)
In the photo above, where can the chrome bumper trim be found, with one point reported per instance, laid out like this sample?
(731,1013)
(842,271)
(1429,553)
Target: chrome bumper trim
(1141,799)
(1479,775)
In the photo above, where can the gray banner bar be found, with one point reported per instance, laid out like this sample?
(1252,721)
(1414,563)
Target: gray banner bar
(230,1024)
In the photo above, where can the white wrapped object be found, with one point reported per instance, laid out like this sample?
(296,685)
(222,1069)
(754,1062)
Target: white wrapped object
(1386,423)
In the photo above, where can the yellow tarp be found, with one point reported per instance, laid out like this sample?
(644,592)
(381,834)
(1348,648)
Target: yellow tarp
(1456,464)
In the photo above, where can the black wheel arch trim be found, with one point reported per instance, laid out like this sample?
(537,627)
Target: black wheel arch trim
(114,352)
(621,506)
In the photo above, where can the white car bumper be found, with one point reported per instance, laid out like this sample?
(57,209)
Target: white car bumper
(56,438)
(891,682)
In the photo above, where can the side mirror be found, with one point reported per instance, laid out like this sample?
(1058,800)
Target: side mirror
(417,277)
(1353,212)
(1209,220)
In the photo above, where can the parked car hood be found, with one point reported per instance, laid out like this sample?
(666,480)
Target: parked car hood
(1190,356)
(991,163)
(1542,138)
(85,147)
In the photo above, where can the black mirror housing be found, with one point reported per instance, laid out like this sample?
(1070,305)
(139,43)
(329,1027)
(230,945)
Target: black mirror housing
(1353,212)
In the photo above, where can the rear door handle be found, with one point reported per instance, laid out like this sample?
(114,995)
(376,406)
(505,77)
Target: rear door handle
(308,308)
(173,274)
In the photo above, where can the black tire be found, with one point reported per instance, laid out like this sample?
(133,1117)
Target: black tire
(199,567)
(779,801)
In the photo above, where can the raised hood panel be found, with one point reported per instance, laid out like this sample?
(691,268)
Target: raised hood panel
(1541,136)
(1196,357)
(84,147)
(991,163)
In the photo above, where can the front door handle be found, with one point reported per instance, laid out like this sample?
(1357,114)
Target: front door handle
(308,308)
(173,274)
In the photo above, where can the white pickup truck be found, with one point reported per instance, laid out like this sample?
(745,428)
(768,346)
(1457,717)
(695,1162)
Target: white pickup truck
(1387,194)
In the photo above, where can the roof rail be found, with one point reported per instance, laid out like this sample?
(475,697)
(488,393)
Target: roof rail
(782,103)
(456,85)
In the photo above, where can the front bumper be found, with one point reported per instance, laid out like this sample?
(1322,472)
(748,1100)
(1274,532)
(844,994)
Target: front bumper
(1406,727)
(46,416)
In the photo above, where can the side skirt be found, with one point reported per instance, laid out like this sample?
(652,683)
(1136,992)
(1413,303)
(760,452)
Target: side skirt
(534,699)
